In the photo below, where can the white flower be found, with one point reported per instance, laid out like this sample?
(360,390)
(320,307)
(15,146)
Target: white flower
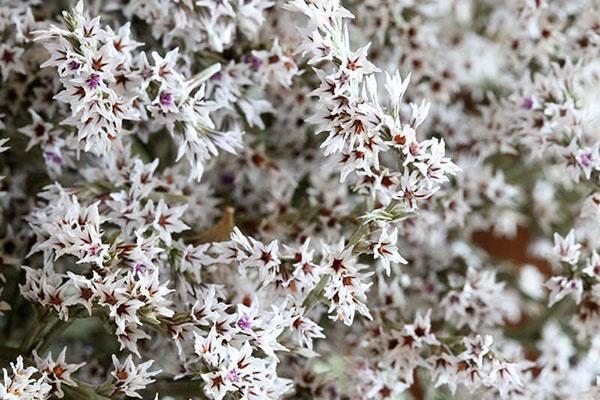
(593,266)
(476,348)
(305,330)
(347,294)
(167,220)
(531,281)
(386,250)
(38,131)
(561,286)
(420,330)
(56,373)
(10,60)
(129,378)
(507,376)
(20,383)
(566,248)
(210,348)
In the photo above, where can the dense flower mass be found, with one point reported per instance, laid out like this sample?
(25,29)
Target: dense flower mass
(300,199)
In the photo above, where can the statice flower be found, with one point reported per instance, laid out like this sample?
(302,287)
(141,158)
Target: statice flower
(107,82)
(129,378)
(299,199)
(57,372)
(20,383)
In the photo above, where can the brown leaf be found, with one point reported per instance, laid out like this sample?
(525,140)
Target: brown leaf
(220,231)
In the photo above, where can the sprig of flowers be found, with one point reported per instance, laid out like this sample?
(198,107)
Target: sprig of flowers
(441,248)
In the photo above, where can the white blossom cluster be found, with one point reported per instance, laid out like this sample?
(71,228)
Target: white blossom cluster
(300,199)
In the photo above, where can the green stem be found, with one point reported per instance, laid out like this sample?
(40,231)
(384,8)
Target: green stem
(8,354)
(32,335)
(83,391)
(315,295)
(182,388)
(52,335)
(359,234)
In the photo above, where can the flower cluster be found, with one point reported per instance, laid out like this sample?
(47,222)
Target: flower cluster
(299,199)
(199,25)
(107,83)
(362,131)
(20,383)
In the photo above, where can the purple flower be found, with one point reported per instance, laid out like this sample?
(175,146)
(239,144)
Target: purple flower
(254,62)
(244,322)
(527,103)
(586,159)
(217,76)
(94,250)
(139,268)
(166,99)
(228,178)
(233,375)
(73,65)
(52,156)
(93,81)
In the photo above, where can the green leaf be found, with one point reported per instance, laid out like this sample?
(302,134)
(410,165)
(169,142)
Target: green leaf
(204,75)
(362,230)
(315,295)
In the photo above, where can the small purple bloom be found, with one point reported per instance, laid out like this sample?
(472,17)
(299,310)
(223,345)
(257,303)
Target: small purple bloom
(430,288)
(244,322)
(233,375)
(94,250)
(527,103)
(93,81)
(52,156)
(586,159)
(73,65)
(139,268)
(254,62)
(228,178)
(414,148)
(217,76)
(166,99)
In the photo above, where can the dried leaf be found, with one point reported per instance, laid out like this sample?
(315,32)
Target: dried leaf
(219,232)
